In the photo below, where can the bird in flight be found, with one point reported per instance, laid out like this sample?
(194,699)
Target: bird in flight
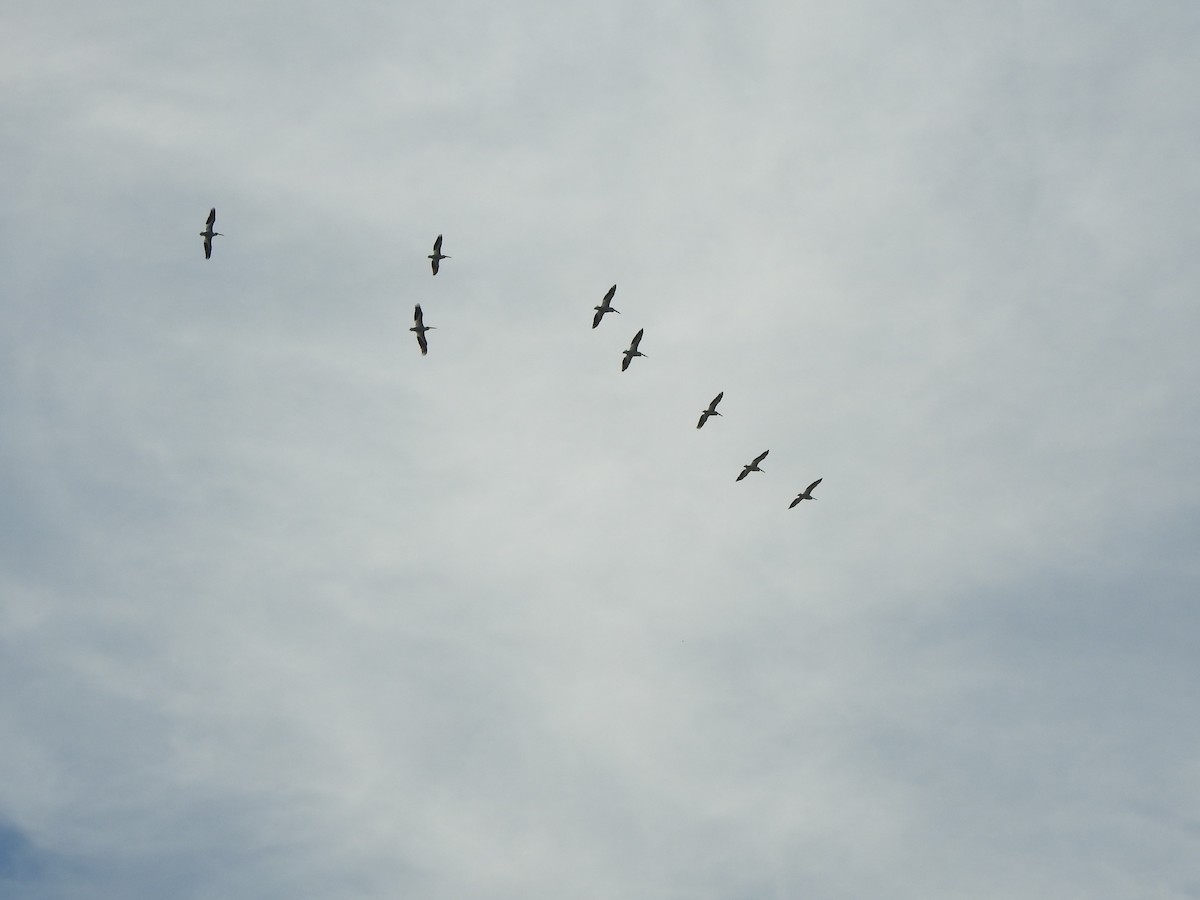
(605,306)
(753,467)
(633,350)
(420,328)
(711,411)
(208,234)
(807,494)
(437,256)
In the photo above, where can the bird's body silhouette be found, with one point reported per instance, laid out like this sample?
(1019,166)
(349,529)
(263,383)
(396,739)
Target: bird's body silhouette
(420,328)
(633,350)
(437,256)
(806,494)
(605,306)
(711,411)
(753,467)
(208,234)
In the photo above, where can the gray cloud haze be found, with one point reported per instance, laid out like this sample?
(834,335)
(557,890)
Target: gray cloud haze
(289,610)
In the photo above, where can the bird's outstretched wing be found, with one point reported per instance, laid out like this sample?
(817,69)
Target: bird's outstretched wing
(422,343)
(715,400)
(808,490)
(703,419)
(434,263)
(596,318)
(608,297)
(208,248)
(418,316)
(437,244)
(761,457)
(212,217)
(637,339)
(745,472)
(794,502)
(625,362)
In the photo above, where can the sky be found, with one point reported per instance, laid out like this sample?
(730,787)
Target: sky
(288,610)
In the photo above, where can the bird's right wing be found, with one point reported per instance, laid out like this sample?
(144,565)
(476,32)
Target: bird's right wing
(761,457)
(596,318)
(418,316)
(212,216)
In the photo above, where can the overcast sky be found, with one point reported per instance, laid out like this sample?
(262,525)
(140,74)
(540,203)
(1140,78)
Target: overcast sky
(288,610)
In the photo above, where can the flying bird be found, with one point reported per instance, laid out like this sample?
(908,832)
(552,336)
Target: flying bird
(711,411)
(753,467)
(420,328)
(605,306)
(807,495)
(437,256)
(208,234)
(633,350)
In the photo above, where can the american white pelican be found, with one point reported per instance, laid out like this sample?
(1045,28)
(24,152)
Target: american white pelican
(807,493)
(633,350)
(208,234)
(437,256)
(420,328)
(605,306)
(753,467)
(711,411)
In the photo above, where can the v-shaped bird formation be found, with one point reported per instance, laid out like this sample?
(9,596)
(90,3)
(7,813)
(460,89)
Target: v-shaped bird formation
(419,328)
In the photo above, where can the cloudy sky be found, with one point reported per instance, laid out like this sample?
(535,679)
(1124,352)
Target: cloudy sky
(288,610)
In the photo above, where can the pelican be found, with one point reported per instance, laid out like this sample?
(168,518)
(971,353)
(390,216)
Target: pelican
(208,234)
(807,495)
(711,411)
(604,306)
(437,256)
(633,350)
(420,328)
(753,467)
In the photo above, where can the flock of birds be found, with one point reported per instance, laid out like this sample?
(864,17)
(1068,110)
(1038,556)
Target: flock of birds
(419,328)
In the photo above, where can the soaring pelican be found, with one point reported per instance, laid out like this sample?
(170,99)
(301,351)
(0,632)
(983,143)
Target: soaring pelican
(208,234)
(633,350)
(437,256)
(420,328)
(605,306)
(711,411)
(807,495)
(753,467)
